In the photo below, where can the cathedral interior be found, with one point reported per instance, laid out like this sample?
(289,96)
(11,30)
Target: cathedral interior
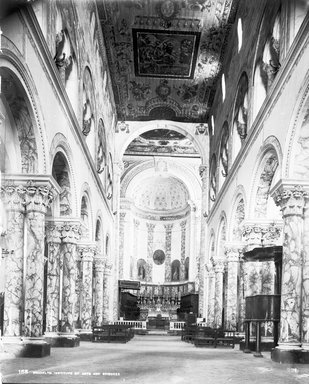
(154,171)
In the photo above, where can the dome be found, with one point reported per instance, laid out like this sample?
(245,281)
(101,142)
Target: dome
(161,194)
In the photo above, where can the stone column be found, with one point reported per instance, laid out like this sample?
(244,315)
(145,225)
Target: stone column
(12,197)
(232,254)
(99,283)
(242,293)
(135,243)
(121,243)
(70,235)
(53,238)
(183,249)
(107,292)
(305,279)
(291,199)
(211,295)
(38,199)
(150,228)
(201,259)
(219,269)
(87,255)
(168,249)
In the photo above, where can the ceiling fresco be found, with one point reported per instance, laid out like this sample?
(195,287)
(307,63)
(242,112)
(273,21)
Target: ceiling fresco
(162,142)
(165,55)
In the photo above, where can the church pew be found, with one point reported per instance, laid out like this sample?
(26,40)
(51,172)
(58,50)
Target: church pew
(110,333)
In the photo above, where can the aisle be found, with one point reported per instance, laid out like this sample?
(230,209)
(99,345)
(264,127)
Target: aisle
(149,359)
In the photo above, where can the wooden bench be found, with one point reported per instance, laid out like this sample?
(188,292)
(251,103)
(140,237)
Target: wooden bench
(109,333)
(188,333)
(209,337)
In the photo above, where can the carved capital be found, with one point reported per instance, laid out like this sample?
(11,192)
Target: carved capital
(53,233)
(38,197)
(71,233)
(183,225)
(13,197)
(99,264)
(150,227)
(291,199)
(86,252)
(168,227)
(219,266)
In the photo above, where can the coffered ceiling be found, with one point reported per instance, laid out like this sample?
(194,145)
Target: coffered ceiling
(165,55)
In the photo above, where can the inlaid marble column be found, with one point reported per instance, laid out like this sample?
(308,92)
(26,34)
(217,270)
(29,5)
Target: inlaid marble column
(211,295)
(107,292)
(70,235)
(232,255)
(149,266)
(53,238)
(183,226)
(242,294)
(219,269)
(203,170)
(99,283)
(168,249)
(38,199)
(291,199)
(305,279)
(13,200)
(135,245)
(121,243)
(87,254)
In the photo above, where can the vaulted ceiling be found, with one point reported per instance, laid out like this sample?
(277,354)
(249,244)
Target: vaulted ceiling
(165,56)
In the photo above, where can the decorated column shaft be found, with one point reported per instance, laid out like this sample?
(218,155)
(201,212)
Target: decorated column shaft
(107,292)
(149,266)
(87,254)
(99,283)
(168,249)
(53,238)
(121,243)
(12,197)
(201,258)
(305,279)
(232,254)
(211,295)
(219,269)
(70,236)
(135,271)
(183,249)
(38,198)
(291,200)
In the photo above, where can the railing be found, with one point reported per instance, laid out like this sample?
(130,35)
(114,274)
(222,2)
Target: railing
(176,325)
(133,324)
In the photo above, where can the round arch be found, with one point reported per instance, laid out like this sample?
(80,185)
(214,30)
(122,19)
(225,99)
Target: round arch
(86,195)
(238,196)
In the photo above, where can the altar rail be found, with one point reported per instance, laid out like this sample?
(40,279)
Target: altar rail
(133,324)
(176,325)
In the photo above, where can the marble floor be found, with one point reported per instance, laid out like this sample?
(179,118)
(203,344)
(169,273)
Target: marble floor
(154,359)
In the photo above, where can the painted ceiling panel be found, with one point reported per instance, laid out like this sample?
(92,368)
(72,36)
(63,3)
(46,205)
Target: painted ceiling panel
(165,55)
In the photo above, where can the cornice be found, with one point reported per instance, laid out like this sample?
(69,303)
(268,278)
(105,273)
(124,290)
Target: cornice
(294,54)
(52,73)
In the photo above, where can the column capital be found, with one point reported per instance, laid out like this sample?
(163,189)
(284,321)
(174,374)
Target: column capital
(150,226)
(183,224)
(219,265)
(232,252)
(86,251)
(168,227)
(209,267)
(13,197)
(99,264)
(290,197)
(136,223)
(53,232)
(71,233)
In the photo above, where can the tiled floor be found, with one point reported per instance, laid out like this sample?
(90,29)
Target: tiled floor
(150,360)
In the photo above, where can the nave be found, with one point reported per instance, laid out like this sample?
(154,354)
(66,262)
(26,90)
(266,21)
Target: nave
(151,359)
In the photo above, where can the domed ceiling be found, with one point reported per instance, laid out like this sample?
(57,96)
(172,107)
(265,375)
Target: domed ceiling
(161,194)
(165,56)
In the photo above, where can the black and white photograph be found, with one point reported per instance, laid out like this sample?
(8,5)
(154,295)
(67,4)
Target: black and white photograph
(154,191)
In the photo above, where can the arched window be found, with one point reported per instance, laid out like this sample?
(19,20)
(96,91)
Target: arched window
(141,269)
(224,154)
(223,87)
(60,172)
(239,33)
